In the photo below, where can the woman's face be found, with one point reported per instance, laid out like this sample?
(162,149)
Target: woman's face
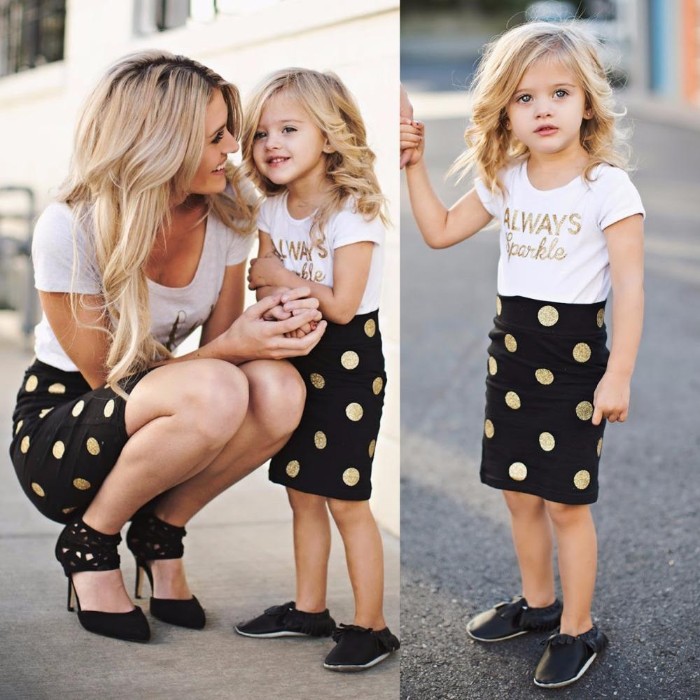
(218,143)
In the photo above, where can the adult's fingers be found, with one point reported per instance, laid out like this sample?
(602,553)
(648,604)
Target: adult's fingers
(294,347)
(295,293)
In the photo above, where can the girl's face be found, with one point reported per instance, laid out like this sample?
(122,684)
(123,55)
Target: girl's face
(288,148)
(547,109)
(218,143)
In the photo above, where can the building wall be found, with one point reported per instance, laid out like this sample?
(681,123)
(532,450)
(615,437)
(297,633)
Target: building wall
(358,40)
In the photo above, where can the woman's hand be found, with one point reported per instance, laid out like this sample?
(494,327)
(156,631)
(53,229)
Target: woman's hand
(405,112)
(611,398)
(412,142)
(265,272)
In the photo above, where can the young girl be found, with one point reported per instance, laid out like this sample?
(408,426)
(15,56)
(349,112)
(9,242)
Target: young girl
(322,226)
(550,172)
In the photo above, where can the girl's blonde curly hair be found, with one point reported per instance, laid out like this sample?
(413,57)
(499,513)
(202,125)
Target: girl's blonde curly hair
(491,145)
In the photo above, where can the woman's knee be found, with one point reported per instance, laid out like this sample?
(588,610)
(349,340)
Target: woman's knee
(277,394)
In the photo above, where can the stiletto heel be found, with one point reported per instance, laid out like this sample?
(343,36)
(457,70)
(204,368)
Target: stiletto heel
(149,538)
(81,548)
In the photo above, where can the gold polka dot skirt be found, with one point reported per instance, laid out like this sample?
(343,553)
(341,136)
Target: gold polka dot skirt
(331,452)
(544,363)
(66,438)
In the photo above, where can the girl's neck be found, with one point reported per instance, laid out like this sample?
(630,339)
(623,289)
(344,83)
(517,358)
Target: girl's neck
(304,198)
(550,170)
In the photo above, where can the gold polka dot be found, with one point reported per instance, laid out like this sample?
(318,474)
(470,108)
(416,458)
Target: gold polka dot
(584,410)
(377,386)
(372,446)
(109,408)
(511,343)
(499,306)
(57,389)
(93,447)
(599,447)
(32,383)
(58,449)
(517,471)
(350,359)
(493,365)
(38,490)
(512,400)
(293,468)
(489,430)
(544,376)
(547,315)
(582,352)
(78,408)
(351,476)
(81,484)
(370,327)
(600,318)
(18,427)
(547,441)
(68,510)
(354,411)
(582,479)
(320,439)
(24,445)
(317,381)
(45,412)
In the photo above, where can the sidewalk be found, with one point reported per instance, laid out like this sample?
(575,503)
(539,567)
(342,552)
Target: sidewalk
(240,560)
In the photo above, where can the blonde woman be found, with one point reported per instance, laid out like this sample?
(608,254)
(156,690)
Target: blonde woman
(322,225)
(148,241)
(551,173)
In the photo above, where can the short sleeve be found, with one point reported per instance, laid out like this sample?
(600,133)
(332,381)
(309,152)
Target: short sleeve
(488,199)
(239,247)
(350,227)
(53,254)
(619,198)
(265,215)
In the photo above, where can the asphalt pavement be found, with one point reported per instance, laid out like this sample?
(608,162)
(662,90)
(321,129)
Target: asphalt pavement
(457,557)
(239,561)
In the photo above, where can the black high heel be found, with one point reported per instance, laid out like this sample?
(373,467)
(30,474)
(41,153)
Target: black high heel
(150,538)
(81,548)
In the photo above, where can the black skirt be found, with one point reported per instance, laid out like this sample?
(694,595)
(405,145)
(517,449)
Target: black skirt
(331,452)
(66,438)
(545,361)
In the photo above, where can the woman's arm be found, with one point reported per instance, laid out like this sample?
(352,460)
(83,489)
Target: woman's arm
(229,305)
(625,240)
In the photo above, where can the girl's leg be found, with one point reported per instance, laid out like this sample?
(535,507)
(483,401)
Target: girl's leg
(312,547)
(532,538)
(365,559)
(577,550)
(195,428)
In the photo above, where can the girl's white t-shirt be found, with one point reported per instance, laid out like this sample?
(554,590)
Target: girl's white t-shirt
(552,242)
(292,240)
(175,311)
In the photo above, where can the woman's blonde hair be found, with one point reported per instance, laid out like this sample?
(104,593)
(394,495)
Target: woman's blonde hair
(490,144)
(332,108)
(138,145)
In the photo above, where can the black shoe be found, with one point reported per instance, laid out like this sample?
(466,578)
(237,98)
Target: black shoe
(359,648)
(286,621)
(150,538)
(508,620)
(567,658)
(80,548)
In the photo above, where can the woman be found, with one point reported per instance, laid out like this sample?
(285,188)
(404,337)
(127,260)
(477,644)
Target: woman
(148,241)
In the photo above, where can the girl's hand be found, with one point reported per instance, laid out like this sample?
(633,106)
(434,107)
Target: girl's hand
(611,399)
(263,271)
(405,112)
(412,141)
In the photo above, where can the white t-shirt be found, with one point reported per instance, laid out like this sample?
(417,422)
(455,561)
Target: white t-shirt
(175,311)
(292,240)
(552,243)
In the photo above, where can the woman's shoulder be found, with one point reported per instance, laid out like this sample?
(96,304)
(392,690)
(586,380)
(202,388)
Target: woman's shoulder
(55,224)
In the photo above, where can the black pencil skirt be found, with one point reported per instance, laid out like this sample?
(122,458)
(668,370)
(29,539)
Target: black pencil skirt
(545,361)
(331,452)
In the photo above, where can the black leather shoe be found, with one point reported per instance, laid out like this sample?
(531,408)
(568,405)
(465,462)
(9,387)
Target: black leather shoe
(359,648)
(508,620)
(567,658)
(286,621)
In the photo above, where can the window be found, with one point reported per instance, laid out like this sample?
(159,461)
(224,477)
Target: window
(31,33)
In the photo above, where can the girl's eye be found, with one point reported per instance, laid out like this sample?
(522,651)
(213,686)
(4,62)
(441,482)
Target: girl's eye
(218,137)
(560,93)
(524,99)
(258,135)
(288,129)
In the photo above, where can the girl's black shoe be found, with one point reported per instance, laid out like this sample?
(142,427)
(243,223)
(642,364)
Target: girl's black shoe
(286,621)
(81,548)
(150,538)
(360,648)
(507,620)
(567,658)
